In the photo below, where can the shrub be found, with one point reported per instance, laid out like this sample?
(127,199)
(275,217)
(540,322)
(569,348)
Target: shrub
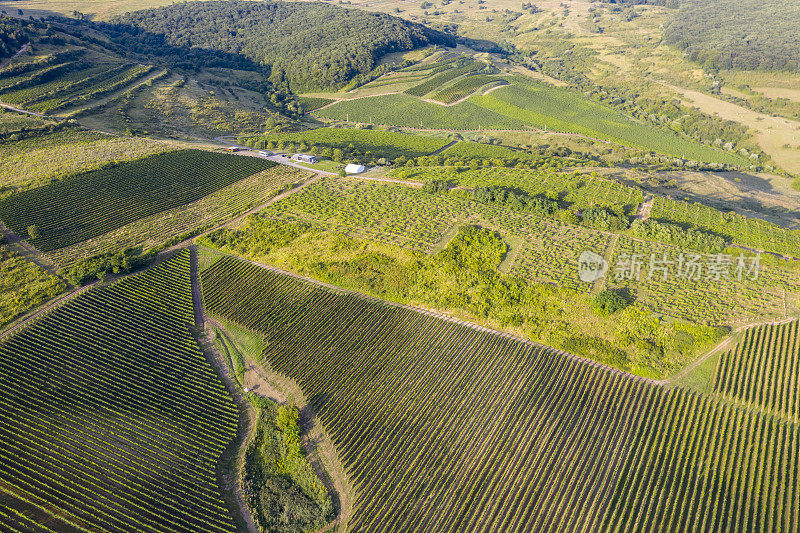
(608,302)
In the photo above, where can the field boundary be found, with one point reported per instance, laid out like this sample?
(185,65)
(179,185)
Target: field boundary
(728,342)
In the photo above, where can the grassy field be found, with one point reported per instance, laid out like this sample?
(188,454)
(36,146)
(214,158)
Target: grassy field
(23,286)
(548,441)
(94,203)
(36,161)
(100,422)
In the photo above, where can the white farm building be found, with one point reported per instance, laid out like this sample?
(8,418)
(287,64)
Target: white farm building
(304,158)
(354,169)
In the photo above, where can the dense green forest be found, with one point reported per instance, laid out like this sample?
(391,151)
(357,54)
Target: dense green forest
(306,45)
(739,34)
(12,36)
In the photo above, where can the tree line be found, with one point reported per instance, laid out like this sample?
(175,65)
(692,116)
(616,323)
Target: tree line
(305,46)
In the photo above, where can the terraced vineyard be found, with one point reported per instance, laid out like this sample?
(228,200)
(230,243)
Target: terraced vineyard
(403,110)
(77,81)
(94,203)
(442,426)
(465,87)
(521,105)
(764,370)
(111,418)
(436,81)
(749,232)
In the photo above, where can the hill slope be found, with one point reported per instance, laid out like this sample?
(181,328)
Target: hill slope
(741,34)
(307,46)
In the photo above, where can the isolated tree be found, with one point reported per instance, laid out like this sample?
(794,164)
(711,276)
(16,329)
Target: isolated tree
(33,231)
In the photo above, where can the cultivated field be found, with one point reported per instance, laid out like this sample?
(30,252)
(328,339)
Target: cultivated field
(443,426)
(117,426)
(94,203)
(411,218)
(522,104)
(762,371)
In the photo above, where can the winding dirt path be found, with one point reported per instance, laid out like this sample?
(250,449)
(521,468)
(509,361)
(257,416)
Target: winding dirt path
(728,342)
(319,447)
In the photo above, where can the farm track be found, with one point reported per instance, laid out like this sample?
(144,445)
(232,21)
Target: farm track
(316,441)
(28,251)
(233,456)
(248,152)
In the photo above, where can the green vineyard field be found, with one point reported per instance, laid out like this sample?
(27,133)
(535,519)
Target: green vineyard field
(94,203)
(403,110)
(180,223)
(446,427)
(436,81)
(111,418)
(749,232)
(390,144)
(465,87)
(764,370)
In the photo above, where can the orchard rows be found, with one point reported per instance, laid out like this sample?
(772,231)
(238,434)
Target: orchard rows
(764,370)
(442,426)
(749,232)
(94,203)
(110,417)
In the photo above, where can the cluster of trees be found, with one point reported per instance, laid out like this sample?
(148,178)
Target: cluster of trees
(273,463)
(609,301)
(552,159)
(436,186)
(102,265)
(605,219)
(612,219)
(305,46)
(474,249)
(13,34)
(654,230)
(516,199)
(738,34)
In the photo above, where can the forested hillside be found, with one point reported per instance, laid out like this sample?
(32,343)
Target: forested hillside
(12,36)
(740,34)
(307,46)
